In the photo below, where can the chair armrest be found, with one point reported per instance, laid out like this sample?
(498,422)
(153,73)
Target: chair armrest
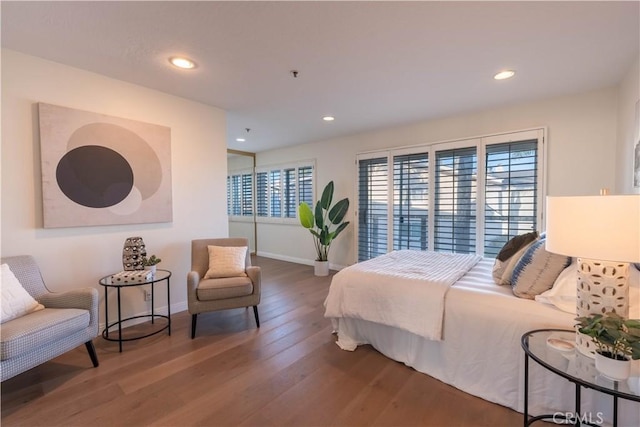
(255,275)
(85,298)
(193,278)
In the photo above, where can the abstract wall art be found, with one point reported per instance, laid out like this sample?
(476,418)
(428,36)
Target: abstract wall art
(102,170)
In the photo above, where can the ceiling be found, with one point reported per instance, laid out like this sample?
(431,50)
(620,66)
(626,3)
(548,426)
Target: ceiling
(370,64)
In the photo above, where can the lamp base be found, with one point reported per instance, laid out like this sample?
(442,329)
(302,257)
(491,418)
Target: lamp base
(603,287)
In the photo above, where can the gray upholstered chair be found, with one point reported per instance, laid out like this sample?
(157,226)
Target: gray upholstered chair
(68,320)
(206,295)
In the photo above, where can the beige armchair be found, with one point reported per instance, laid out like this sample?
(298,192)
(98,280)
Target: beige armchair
(206,295)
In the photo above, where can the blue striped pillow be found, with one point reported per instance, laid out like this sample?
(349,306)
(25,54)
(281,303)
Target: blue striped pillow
(537,270)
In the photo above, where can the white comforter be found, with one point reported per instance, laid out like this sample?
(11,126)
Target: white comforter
(404,289)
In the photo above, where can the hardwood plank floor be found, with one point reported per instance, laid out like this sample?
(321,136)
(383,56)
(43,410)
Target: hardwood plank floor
(287,373)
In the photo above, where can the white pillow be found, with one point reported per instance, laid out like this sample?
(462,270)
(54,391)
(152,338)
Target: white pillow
(226,261)
(14,299)
(564,292)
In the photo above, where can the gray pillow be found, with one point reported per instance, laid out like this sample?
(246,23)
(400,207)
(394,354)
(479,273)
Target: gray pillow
(537,270)
(509,255)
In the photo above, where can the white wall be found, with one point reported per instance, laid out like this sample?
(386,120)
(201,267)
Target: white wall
(76,257)
(629,96)
(581,150)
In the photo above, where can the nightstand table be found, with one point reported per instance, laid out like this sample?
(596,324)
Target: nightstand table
(582,373)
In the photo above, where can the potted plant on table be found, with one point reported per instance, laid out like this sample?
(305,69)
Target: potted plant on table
(617,341)
(151,263)
(325,224)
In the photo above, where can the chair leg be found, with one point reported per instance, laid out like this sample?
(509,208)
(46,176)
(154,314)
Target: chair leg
(92,353)
(255,313)
(194,319)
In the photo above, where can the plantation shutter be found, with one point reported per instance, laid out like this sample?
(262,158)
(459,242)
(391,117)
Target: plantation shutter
(275,194)
(305,185)
(511,192)
(372,207)
(228,195)
(235,195)
(247,194)
(411,201)
(262,196)
(455,200)
(289,186)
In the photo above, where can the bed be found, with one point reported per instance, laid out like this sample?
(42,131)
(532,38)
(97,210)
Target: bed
(478,350)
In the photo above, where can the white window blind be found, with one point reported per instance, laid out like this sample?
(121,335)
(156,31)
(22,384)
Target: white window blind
(262,195)
(465,196)
(228,195)
(280,189)
(289,185)
(247,194)
(511,190)
(372,207)
(236,208)
(411,201)
(455,207)
(275,192)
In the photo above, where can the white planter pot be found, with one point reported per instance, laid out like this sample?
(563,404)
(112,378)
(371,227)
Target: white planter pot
(321,268)
(614,369)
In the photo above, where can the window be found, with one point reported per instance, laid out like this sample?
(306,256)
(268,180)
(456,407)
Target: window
(455,207)
(240,194)
(410,201)
(279,191)
(511,186)
(372,212)
(468,196)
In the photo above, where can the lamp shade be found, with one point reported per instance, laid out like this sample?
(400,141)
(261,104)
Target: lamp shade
(597,227)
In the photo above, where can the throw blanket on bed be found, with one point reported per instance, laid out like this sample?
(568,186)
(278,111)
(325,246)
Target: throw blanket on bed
(404,289)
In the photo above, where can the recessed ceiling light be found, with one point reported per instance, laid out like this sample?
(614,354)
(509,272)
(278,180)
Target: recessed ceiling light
(328,118)
(181,62)
(240,140)
(506,74)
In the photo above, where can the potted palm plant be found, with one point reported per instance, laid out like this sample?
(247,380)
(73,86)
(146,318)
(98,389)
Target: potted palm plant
(617,341)
(325,224)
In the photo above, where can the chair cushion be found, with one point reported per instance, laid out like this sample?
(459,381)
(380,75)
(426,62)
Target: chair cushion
(31,331)
(226,261)
(229,287)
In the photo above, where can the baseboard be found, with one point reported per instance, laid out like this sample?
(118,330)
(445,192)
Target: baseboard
(295,260)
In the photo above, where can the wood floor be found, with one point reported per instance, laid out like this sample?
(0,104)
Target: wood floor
(287,373)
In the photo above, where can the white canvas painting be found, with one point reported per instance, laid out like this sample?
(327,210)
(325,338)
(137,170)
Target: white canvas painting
(101,170)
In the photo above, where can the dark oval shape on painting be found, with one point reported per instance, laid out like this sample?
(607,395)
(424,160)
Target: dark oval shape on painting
(94,176)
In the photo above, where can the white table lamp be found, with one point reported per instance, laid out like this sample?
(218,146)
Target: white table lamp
(603,232)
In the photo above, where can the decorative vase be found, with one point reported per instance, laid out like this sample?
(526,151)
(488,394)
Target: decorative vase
(614,369)
(132,253)
(152,269)
(321,268)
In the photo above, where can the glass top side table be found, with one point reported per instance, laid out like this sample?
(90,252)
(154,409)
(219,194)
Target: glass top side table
(553,349)
(159,276)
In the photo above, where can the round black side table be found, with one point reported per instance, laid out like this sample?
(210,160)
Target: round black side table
(159,276)
(536,347)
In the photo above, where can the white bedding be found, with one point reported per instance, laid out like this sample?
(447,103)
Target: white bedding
(481,353)
(404,289)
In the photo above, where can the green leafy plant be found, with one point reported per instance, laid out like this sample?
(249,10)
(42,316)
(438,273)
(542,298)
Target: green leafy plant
(326,222)
(153,260)
(615,337)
